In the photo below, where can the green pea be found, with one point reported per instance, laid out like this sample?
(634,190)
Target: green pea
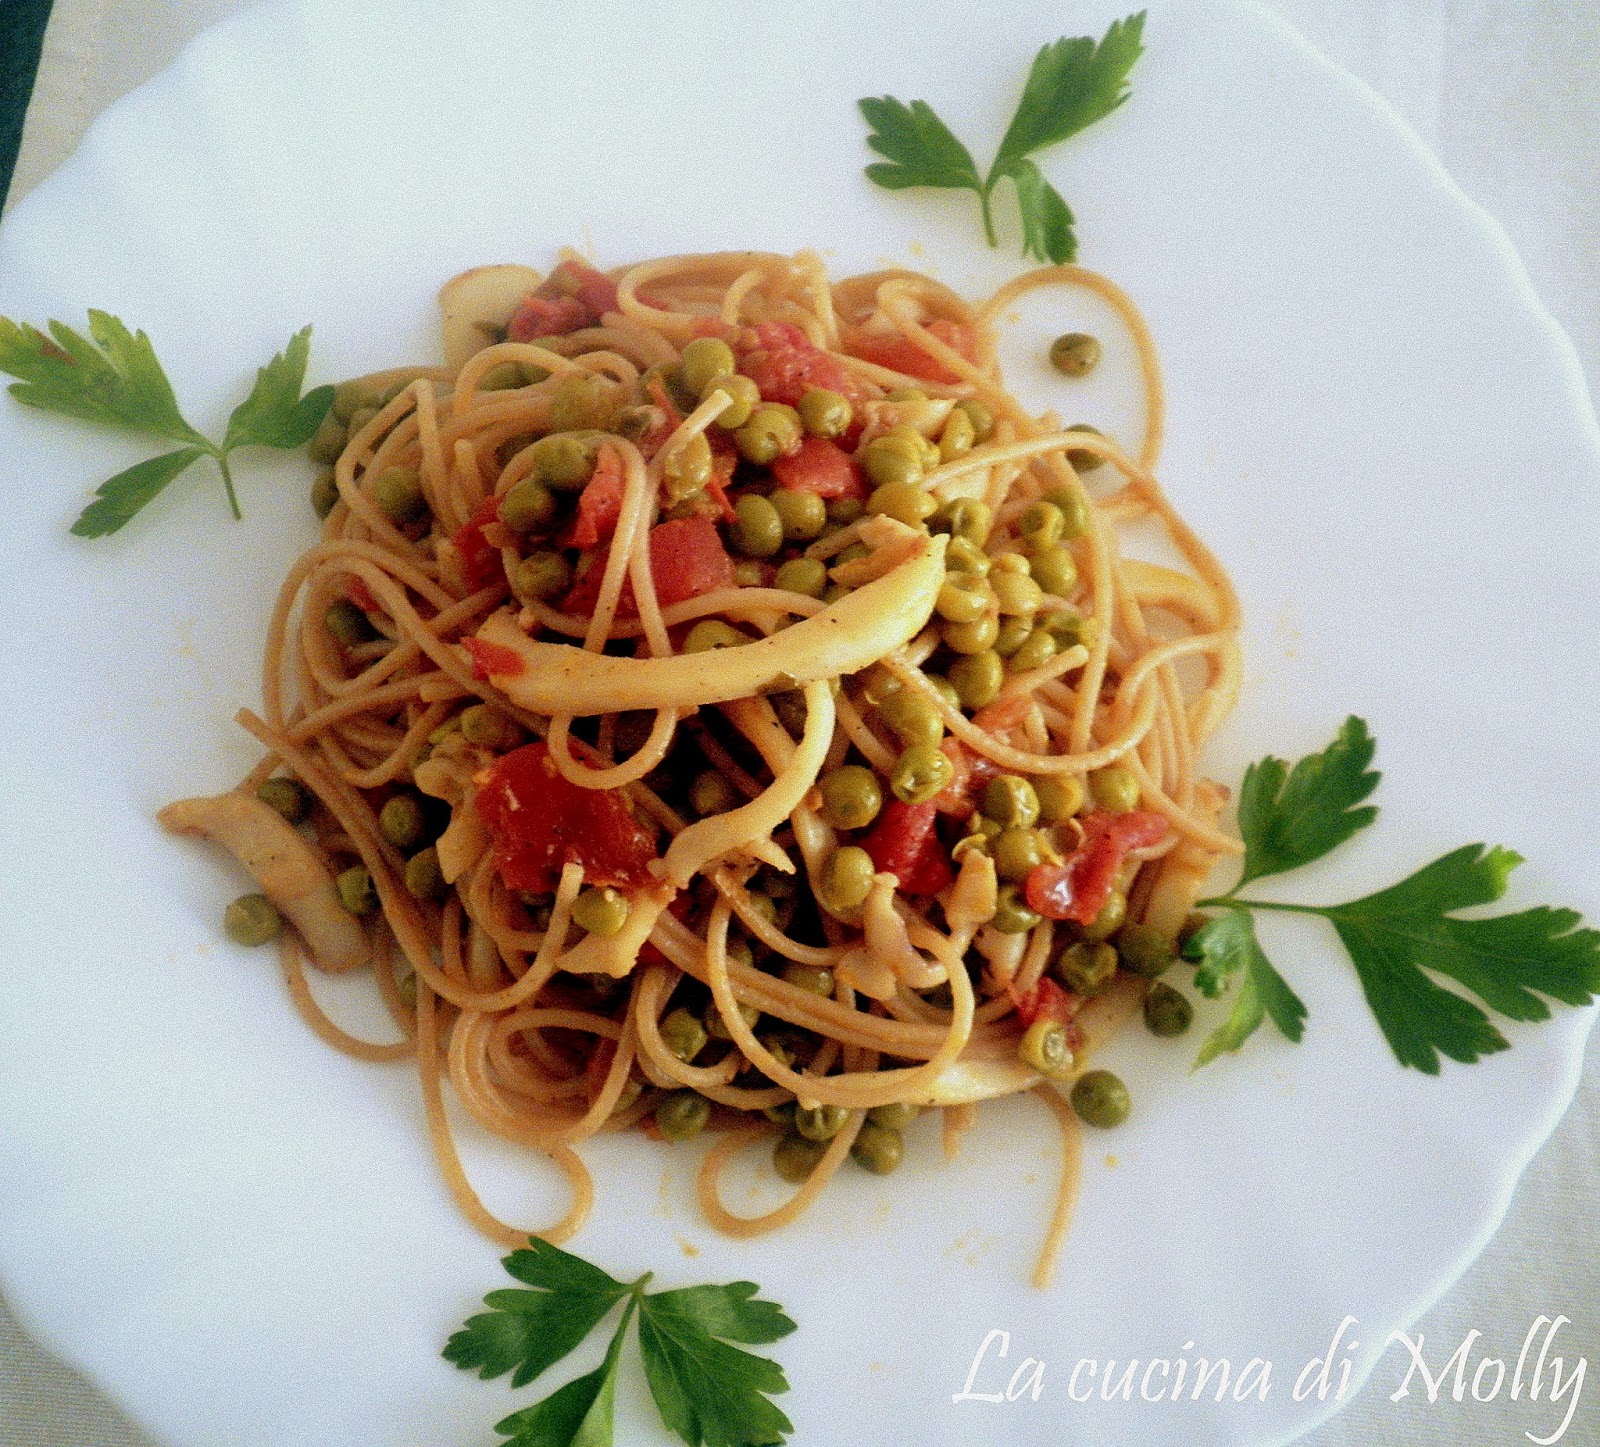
(965,556)
(757,528)
(969,519)
(1055,570)
(583,400)
(637,423)
(803,575)
(820,1122)
(1073,505)
(906,394)
(503,377)
(963,598)
(1011,801)
(705,361)
(897,1114)
(252,920)
(903,501)
(803,514)
(814,979)
(717,1028)
(711,793)
(842,511)
(490,728)
(781,1115)
(324,493)
(1086,967)
(1060,797)
(1011,913)
(945,689)
(563,460)
(1017,853)
(402,822)
(794,1158)
(1044,1048)
(529,507)
(424,878)
(1069,628)
(747,573)
(920,774)
(542,575)
(851,797)
(773,431)
(1167,1011)
(1036,650)
(847,878)
(683,1034)
(601,911)
(399,496)
(790,706)
(1074,355)
(957,437)
(971,637)
(1144,950)
(892,459)
(1100,1099)
(354,394)
(1115,788)
(687,468)
(1040,526)
(328,441)
(1016,593)
(878,1148)
(711,633)
(980,416)
(744,397)
(977,679)
(1109,920)
(356,892)
(1081,458)
(348,624)
(824,413)
(359,419)
(913,718)
(289,797)
(682,1114)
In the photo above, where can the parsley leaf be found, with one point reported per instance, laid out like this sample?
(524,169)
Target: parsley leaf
(1071,84)
(1291,817)
(113,377)
(527,1331)
(708,1392)
(1398,938)
(1224,947)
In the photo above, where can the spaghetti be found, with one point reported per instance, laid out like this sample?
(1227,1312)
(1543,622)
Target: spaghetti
(719,702)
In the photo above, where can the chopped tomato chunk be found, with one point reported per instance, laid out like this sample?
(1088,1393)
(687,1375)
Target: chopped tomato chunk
(541,822)
(600,502)
(687,558)
(905,843)
(573,296)
(785,365)
(493,659)
(1047,999)
(1078,887)
(592,287)
(480,559)
(820,467)
(901,354)
(360,594)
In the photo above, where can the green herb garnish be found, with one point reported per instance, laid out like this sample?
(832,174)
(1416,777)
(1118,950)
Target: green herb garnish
(1072,84)
(112,377)
(708,1392)
(1398,938)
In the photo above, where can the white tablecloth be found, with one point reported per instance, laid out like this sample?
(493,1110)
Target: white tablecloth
(1507,93)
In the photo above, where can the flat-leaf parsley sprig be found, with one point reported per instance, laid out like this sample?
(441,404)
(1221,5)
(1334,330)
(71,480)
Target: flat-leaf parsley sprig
(1072,84)
(1398,938)
(112,377)
(708,1392)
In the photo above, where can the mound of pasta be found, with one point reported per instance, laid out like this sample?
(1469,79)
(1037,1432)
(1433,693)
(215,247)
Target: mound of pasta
(715,703)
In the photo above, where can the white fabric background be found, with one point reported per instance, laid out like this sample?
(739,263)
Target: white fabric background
(1507,94)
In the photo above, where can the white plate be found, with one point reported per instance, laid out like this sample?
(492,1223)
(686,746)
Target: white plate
(242,1237)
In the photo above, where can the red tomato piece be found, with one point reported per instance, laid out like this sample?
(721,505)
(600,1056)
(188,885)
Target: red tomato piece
(785,365)
(600,502)
(360,594)
(544,316)
(820,467)
(1078,887)
(1047,999)
(480,559)
(687,558)
(493,659)
(542,821)
(574,278)
(905,843)
(901,354)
